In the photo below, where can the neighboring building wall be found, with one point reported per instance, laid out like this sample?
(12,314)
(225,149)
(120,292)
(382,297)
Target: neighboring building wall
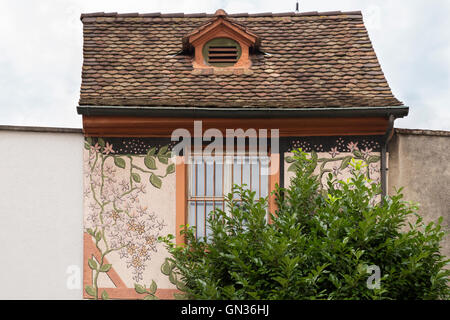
(419,161)
(40,211)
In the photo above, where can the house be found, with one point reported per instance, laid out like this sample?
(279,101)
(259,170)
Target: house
(309,80)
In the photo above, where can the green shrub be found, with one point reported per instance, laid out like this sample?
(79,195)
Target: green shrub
(318,246)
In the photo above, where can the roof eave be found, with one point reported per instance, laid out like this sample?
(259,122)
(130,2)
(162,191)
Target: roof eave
(242,112)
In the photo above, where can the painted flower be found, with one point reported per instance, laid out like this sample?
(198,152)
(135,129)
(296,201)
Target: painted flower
(125,185)
(366,153)
(95,148)
(336,171)
(352,146)
(109,169)
(334,152)
(108,149)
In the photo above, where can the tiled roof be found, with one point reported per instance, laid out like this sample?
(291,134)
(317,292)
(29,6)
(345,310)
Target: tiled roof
(306,60)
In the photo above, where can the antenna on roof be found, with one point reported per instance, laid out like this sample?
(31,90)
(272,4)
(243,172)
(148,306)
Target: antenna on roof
(296,7)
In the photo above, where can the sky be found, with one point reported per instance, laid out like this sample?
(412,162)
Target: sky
(41,51)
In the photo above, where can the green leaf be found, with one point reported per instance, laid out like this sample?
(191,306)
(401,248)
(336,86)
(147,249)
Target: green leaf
(373,159)
(155,181)
(119,162)
(90,291)
(92,264)
(173,277)
(105,295)
(181,286)
(289,159)
(163,159)
(166,268)
(139,289)
(105,268)
(87,146)
(153,287)
(98,236)
(170,169)
(151,151)
(180,296)
(150,162)
(357,154)
(136,177)
(345,162)
(89,230)
(101,142)
(163,150)
(293,167)
(150,297)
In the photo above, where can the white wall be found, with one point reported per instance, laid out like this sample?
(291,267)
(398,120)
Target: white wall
(40,215)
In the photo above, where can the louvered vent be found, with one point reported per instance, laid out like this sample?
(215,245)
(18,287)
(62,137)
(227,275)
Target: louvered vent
(222,52)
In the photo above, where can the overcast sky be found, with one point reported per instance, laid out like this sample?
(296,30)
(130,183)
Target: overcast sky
(41,51)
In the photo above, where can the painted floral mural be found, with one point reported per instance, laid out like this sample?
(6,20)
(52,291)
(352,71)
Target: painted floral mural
(336,159)
(115,217)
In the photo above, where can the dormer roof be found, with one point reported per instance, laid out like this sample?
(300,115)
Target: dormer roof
(221,21)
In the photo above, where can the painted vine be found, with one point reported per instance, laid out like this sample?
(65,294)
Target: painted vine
(342,162)
(116,220)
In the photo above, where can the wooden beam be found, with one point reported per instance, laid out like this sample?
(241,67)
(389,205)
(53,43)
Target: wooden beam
(125,126)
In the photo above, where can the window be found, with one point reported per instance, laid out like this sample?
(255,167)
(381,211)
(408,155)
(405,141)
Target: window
(222,52)
(211,179)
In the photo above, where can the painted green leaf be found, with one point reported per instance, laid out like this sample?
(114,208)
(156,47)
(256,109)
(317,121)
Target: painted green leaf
(173,278)
(181,286)
(180,296)
(293,167)
(150,297)
(89,230)
(105,295)
(98,236)
(90,291)
(165,268)
(105,268)
(373,159)
(87,146)
(155,181)
(170,169)
(150,162)
(89,140)
(151,151)
(92,264)
(136,177)
(101,142)
(345,162)
(153,287)
(289,159)
(139,289)
(163,150)
(119,162)
(357,153)
(163,159)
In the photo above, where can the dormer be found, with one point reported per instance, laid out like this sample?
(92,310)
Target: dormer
(220,44)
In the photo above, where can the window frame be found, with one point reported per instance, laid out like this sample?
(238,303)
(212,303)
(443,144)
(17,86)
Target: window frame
(181,189)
